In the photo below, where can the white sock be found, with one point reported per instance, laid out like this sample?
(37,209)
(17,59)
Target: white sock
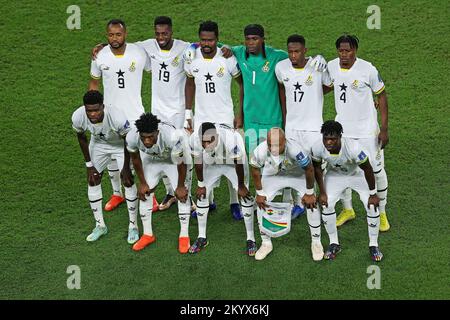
(95,197)
(287,195)
(184,213)
(145,211)
(211,196)
(247,211)
(168,185)
(329,221)
(373,222)
(232,192)
(132,201)
(114,176)
(202,217)
(382,189)
(313,217)
(347,199)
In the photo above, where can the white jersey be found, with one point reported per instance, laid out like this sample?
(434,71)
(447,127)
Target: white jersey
(170,146)
(230,147)
(346,162)
(353,95)
(304,95)
(168,78)
(213,102)
(110,131)
(292,162)
(122,78)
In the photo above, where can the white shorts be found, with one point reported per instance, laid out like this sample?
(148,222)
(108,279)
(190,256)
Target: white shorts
(103,154)
(374,151)
(155,170)
(273,184)
(335,184)
(305,138)
(177,120)
(213,173)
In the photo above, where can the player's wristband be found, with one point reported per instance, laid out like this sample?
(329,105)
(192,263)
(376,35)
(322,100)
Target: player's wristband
(310,191)
(200,184)
(260,193)
(188,114)
(373,192)
(89,164)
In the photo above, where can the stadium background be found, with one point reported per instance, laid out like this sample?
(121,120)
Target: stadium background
(45,215)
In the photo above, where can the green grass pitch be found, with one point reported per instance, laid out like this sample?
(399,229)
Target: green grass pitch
(45,215)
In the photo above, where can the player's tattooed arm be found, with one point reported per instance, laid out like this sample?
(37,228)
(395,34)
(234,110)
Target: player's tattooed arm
(97,49)
(93,176)
(282,95)
(370,178)
(309,199)
(260,197)
(318,174)
(383,136)
(189,91)
(239,119)
(125,174)
(143,189)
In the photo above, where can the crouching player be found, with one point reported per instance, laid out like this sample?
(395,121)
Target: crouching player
(158,149)
(108,127)
(218,151)
(285,165)
(348,166)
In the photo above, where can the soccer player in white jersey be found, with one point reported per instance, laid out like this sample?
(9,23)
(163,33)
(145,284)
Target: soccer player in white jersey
(301,93)
(284,164)
(218,151)
(209,80)
(108,127)
(355,82)
(348,166)
(158,149)
(120,65)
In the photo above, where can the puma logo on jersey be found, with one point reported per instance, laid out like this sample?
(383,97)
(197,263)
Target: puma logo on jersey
(195,70)
(286,79)
(104,67)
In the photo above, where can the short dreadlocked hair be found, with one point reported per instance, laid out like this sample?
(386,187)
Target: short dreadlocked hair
(210,26)
(352,40)
(331,127)
(147,123)
(92,97)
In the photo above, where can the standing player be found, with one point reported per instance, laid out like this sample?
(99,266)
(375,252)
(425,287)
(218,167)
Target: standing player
(218,151)
(209,80)
(108,127)
(347,167)
(158,149)
(355,81)
(301,93)
(120,65)
(285,165)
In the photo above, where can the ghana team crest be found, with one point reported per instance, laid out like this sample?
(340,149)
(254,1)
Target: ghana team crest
(309,80)
(355,84)
(132,68)
(175,62)
(220,72)
(266,67)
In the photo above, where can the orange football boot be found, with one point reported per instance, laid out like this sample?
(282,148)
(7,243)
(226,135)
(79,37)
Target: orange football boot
(183,244)
(114,202)
(144,241)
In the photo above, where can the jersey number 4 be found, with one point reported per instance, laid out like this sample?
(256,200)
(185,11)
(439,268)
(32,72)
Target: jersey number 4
(343,97)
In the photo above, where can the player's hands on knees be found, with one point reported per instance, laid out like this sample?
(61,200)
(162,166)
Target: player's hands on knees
(373,201)
(127,176)
(93,176)
(188,125)
(201,193)
(226,52)
(309,201)
(143,190)
(323,199)
(244,193)
(181,193)
(261,202)
(96,50)
(383,138)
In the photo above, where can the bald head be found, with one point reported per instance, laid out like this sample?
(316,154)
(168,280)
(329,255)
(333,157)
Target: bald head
(276,141)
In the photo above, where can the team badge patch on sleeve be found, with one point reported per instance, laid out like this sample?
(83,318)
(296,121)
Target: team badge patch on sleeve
(362,156)
(302,160)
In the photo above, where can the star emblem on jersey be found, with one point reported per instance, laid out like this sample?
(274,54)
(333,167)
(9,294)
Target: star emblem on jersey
(298,86)
(163,66)
(102,135)
(208,77)
(120,73)
(343,87)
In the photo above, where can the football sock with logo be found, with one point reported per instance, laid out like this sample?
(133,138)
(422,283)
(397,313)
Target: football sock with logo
(114,176)
(132,201)
(145,211)
(329,220)
(373,223)
(313,217)
(95,197)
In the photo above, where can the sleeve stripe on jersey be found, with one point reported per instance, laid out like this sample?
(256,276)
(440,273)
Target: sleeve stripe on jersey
(188,75)
(365,160)
(237,75)
(94,77)
(379,91)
